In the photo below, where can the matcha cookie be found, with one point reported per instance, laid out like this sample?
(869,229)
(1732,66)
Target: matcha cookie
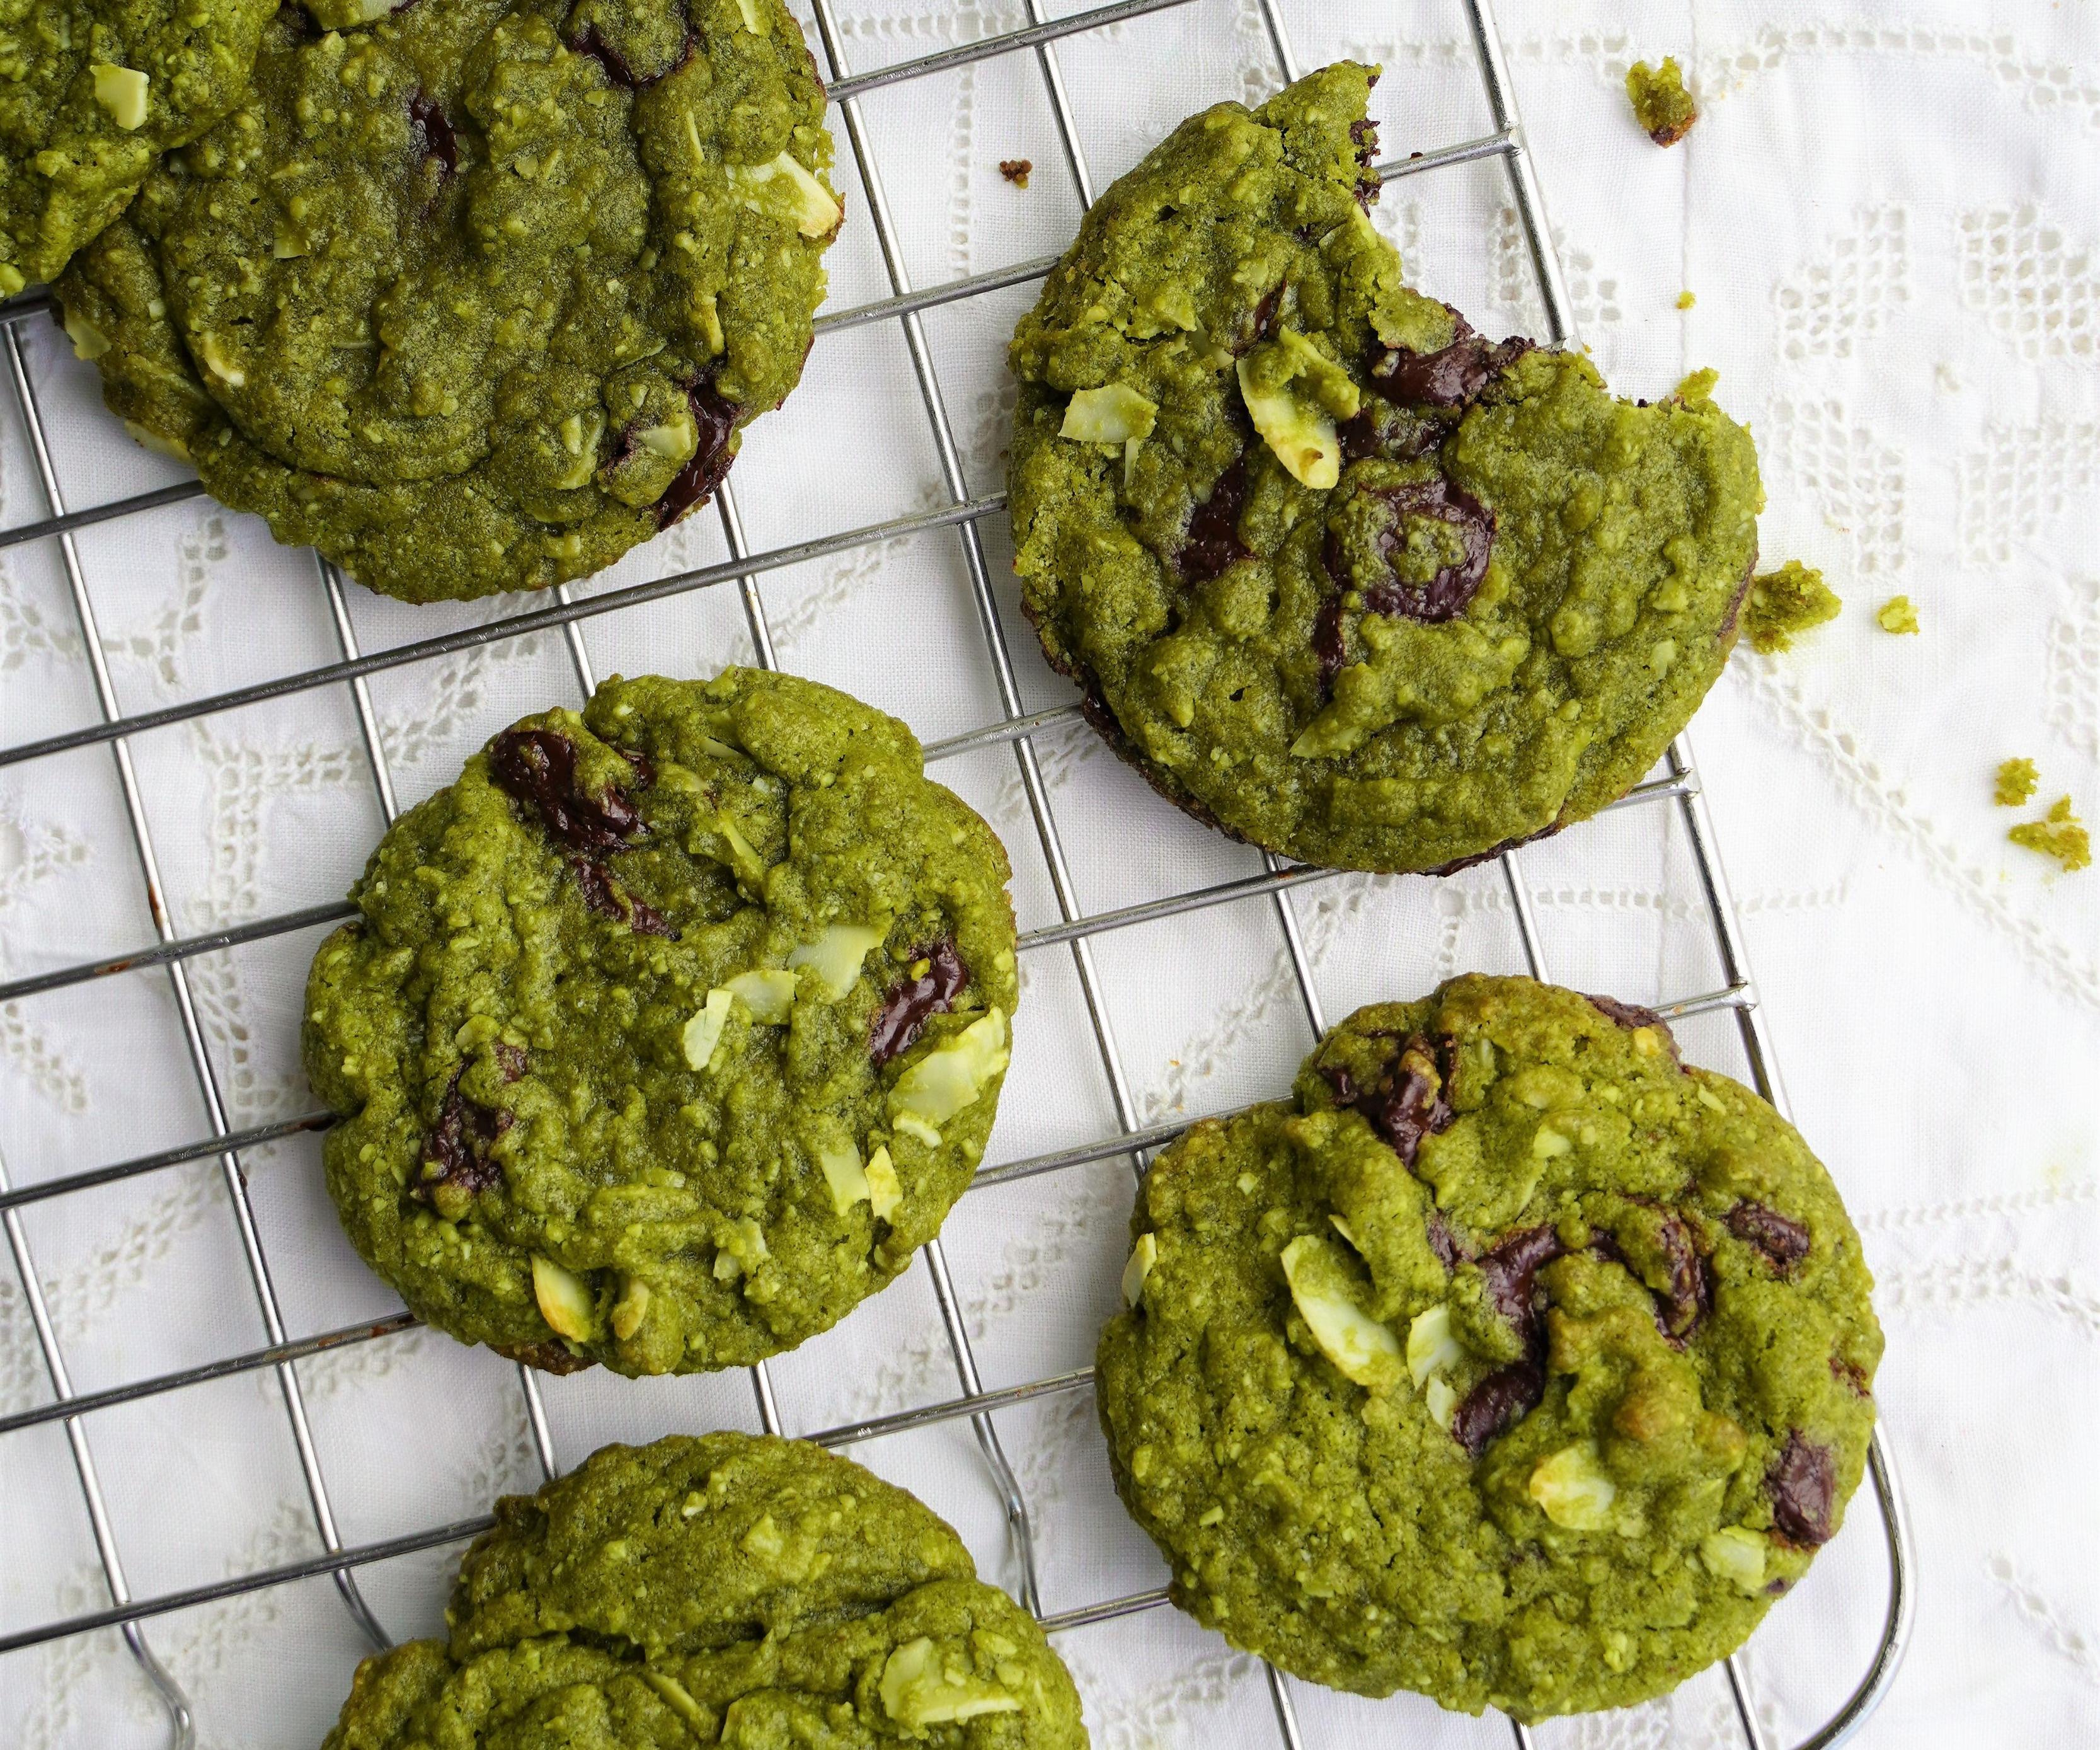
(93,91)
(1338,575)
(478,294)
(729,1590)
(670,1031)
(1512,1361)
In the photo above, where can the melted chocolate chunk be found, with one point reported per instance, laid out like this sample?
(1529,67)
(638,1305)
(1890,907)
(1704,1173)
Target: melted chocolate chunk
(1445,595)
(1261,321)
(458,1147)
(1625,1015)
(904,1011)
(603,896)
(1454,376)
(1407,1103)
(645,773)
(1214,541)
(1329,645)
(1363,134)
(1359,434)
(695,483)
(1780,1237)
(511,1060)
(551,1357)
(644,920)
(434,138)
(538,766)
(1802,1483)
(592,42)
(1509,1274)
(1449,1248)
(1499,1402)
(1853,1375)
(1689,1296)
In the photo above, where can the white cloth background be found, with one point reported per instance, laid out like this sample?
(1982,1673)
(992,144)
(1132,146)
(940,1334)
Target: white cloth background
(1890,217)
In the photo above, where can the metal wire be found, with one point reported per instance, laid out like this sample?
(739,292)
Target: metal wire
(1680,790)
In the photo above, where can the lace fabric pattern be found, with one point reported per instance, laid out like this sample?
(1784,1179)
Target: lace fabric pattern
(1889,218)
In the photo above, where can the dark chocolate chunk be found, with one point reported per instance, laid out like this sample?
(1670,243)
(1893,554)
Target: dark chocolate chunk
(1261,321)
(458,1147)
(1780,1237)
(1329,645)
(1802,1483)
(905,1010)
(1454,376)
(603,895)
(1498,1403)
(511,1060)
(1509,1272)
(1626,1014)
(695,483)
(1214,541)
(1445,595)
(1444,1241)
(1407,1103)
(538,766)
(1688,1297)
(434,138)
(1363,136)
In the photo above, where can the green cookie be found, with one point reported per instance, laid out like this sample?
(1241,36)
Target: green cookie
(1512,1361)
(476,296)
(731,1590)
(93,91)
(1336,574)
(669,1032)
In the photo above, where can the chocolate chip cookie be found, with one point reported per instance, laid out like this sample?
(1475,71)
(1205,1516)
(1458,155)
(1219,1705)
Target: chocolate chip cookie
(1338,574)
(474,296)
(1511,1361)
(729,1590)
(670,1031)
(92,93)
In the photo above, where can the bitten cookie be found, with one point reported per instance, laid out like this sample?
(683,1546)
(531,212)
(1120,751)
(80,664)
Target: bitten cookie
(1336,573)
(729,1590)
(477,295)
(667,1033)
(92,93)
(1512,1361)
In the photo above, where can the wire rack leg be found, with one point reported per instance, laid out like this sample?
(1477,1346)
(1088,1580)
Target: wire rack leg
(231,1173)
(182,1722)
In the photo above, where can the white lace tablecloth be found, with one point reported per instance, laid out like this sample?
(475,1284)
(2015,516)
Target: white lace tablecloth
(1889,218)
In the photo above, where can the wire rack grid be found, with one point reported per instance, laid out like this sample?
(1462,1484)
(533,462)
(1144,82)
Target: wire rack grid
(1676,788)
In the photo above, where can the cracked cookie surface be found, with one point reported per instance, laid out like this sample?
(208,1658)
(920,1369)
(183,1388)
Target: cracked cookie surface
(1339,575)
(92,93)
(1511,1361)
(731,1588)
(476,294)
(670,1031)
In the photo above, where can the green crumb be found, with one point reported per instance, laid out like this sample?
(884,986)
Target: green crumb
(2060,834)
(1698,388)
(1661,105)
(1686,299)
(1897,615)
(1785,603)
(2016,779)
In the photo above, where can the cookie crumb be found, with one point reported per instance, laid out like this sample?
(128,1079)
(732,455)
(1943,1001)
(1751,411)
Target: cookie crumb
(2016,779)
(1698,386)
(1785,603)
(2060,834)
(1686,298)
(1897,615)
(1661,105)
(1017,171)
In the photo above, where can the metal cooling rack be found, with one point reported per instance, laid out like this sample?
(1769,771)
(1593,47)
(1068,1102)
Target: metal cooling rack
(1679,788)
